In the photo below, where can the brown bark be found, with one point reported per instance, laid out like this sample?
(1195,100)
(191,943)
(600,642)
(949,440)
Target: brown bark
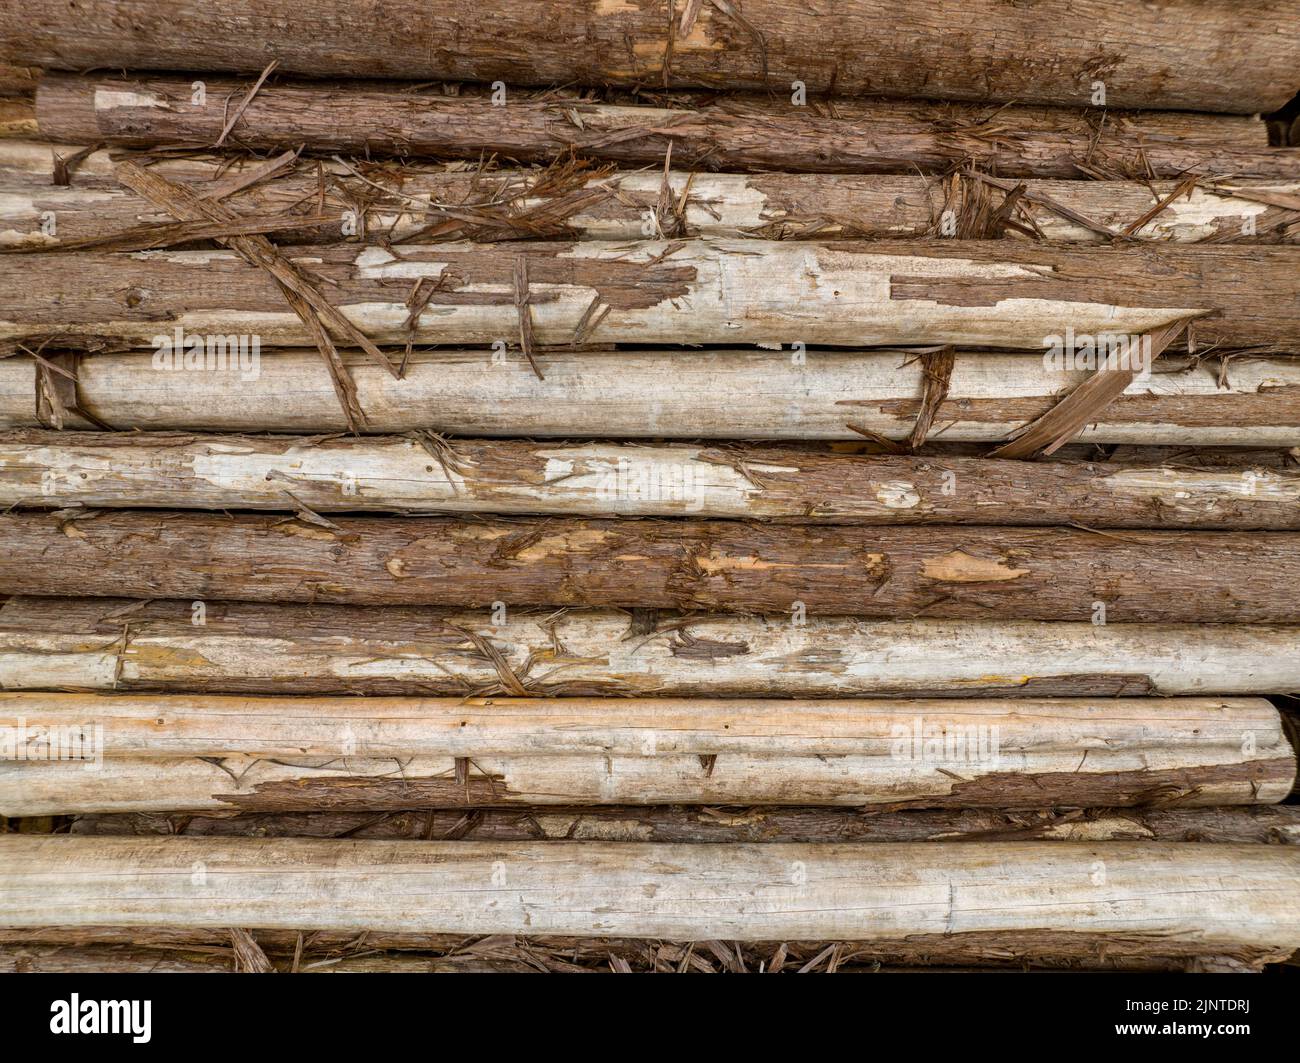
(731,134)
(1270,824)
(978,572)
(1212,55)
(786,484)
(974,293)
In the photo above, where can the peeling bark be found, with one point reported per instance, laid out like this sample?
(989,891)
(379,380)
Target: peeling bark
(238,647)
(786,484)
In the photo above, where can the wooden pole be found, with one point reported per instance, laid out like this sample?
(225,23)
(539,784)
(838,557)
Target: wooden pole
(380,202)
(1131,893)
(891,572)
(974,293)
(656,394)
(743,133)
(788,484)
(1192,55)
(241,647)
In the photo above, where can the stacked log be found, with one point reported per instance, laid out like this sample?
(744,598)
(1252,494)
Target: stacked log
(654,518)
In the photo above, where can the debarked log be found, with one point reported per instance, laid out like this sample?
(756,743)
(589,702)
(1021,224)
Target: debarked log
(1269,824)
(380,202)
(714,394)
(1049,734)
(1211,899)
(949,769)
(888,572)
(1003,293)
(240,647)
(787,484)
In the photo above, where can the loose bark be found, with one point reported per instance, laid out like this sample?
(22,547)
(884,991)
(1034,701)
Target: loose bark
(1131,892)
(715,394)
(62,959)
(1186,54)
(730,134)
(381,202)
(237,647)
(787,484)
(893,572)
(1266,824)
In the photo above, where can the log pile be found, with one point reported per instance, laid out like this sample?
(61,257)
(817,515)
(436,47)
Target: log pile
(685,487)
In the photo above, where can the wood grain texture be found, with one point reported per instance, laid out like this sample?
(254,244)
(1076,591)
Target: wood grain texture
(1213,56)
(889,572)
(396,201)
(786,484)
(716,394)
(238,647)
(1221,898)
(731,133)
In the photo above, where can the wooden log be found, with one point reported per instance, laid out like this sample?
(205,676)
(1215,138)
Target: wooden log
(706,291)
(1186,54)
(890,572)
(1210,899)
(716,394)
(1266,824)
(65,959)
(85,753)
(1049,733)
(787,484)
(240,647)
(1199,776)
(731,134)
(394,202)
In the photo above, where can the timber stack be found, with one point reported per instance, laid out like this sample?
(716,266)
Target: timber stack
(667,486)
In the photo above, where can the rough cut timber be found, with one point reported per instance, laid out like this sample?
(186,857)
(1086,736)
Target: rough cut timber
(1128,896)
(1147,773)
(1270,824)
(380,202)
(1210,56)
(890,572)
(239,647)
(993,293)
(790,484)
(715,394)
(731,134)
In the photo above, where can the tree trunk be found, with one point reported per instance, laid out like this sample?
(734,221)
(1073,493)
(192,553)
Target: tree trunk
(974,572)
(456,200)
(1136,894)
(1268,824)
(787,484)
(974,293)
(239,647)
(743,133)
(1189,54)
(656,394)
